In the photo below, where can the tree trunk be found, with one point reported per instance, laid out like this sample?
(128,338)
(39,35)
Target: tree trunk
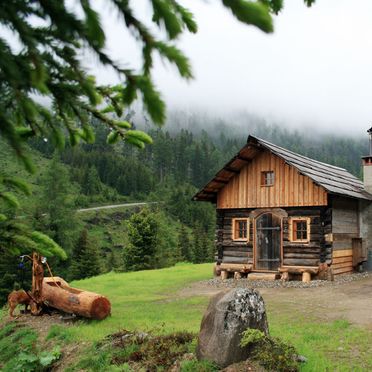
(58,294)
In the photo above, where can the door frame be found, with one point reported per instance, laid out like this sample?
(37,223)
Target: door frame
(255,215)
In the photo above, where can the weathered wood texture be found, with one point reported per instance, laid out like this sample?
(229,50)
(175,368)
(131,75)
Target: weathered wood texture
(345,229)
(58,294)
(342,261)
(290,188)
(236,252)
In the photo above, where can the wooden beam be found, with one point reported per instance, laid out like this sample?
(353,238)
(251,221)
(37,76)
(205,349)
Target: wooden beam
(232,170)
(243,158)
(220,181)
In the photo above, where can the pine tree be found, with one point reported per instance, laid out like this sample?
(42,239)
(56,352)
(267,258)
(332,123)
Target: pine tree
(85,260)
(142,234)
(184,244)
(93,184)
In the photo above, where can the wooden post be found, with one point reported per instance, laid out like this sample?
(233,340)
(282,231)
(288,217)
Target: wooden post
(224,274)
(237,275)
(285,276)
(37,284)
(306,277)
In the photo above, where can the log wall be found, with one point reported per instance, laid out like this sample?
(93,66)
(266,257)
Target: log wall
(291,189)
(305,254)
(235,251)
(294,254)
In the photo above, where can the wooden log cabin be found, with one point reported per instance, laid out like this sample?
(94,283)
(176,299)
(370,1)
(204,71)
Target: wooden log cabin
(283,215)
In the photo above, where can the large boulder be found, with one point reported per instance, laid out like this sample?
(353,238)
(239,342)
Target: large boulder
(228,315)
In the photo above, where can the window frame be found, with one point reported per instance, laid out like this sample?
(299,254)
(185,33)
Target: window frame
(292,231)
(264,178)
(234,230)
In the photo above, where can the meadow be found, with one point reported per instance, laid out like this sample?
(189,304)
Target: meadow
(151,301)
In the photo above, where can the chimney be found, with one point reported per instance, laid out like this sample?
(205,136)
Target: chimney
(367,165)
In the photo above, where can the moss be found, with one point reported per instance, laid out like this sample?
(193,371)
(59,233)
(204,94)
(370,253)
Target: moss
(271,353)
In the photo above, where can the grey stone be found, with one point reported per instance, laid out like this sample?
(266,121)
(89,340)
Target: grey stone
(301,359)
(227,317)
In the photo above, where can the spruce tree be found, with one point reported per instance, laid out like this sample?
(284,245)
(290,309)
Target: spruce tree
(92,184)
(142,234)
(184,244)
(85,259)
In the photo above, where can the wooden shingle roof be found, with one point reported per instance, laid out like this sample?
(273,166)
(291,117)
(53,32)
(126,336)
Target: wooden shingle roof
(334,179)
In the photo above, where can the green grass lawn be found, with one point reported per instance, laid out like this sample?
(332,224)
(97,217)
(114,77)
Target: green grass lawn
(149,301)
(146,300)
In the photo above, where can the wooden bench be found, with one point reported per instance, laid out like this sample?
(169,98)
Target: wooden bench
(305,271)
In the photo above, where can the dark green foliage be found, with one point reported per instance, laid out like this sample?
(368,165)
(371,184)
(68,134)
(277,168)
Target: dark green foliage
(272,353)
(85,258)
(199,255)
(143,236)
(184,244)
(92,184)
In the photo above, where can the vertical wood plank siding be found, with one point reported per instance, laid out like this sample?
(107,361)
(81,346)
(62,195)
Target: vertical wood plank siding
(289,190)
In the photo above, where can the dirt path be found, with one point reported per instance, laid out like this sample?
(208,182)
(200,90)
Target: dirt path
(112,206)
(351,301)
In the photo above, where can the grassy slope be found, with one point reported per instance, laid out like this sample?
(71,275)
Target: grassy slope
(148,300)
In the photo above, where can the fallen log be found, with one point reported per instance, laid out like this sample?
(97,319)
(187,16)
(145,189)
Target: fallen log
(58,294)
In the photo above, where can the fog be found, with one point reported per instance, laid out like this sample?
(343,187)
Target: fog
(315,71)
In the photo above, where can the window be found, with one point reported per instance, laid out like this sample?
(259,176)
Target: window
(267,178)
(240,229)
(300,229)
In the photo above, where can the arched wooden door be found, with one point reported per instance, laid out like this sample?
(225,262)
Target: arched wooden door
(268,241)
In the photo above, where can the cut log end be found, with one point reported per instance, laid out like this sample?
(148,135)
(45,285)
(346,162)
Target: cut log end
(101,308)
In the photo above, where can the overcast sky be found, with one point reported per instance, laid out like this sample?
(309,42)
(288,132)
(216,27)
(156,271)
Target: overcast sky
(316,69)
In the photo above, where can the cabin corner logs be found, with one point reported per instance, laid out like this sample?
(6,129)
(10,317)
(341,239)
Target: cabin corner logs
(286,215)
